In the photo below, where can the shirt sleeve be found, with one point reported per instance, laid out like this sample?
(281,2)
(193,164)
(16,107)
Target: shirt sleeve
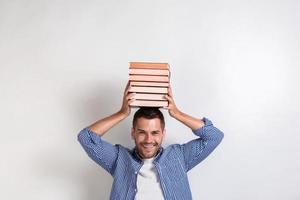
(102,152)
(197,150)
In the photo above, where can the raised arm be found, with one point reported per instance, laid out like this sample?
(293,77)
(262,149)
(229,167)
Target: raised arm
(101,126)
(196,150)
(102,152)
(174,112)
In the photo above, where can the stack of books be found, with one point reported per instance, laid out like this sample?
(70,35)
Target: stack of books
(150,82)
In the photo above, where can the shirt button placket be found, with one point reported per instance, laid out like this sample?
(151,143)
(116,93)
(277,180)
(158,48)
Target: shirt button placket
(135,189)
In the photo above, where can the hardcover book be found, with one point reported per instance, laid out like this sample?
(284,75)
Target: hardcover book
(144,103)
(148,65)
(142,96)
(158,72)
(150,82)
(159,90)
(149,78)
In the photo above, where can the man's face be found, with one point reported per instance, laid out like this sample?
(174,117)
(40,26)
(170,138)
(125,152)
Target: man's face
(148,136)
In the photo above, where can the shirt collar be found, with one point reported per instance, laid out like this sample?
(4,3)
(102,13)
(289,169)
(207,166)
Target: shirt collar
(137,155)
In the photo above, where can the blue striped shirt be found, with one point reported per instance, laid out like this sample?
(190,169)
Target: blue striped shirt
(172,163)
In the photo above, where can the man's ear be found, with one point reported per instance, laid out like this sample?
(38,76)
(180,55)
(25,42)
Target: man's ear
(132,132)
(164,133)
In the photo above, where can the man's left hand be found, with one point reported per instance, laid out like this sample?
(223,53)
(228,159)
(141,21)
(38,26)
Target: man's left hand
(173,110)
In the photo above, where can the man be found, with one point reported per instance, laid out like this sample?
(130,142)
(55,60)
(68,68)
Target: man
(149,171)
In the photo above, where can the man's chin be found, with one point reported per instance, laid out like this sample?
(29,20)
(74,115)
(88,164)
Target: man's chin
(148,154)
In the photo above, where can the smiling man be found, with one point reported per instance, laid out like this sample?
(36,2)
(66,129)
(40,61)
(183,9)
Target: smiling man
(150,171)
(148,131)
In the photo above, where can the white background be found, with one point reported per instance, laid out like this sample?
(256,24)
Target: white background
(64,65)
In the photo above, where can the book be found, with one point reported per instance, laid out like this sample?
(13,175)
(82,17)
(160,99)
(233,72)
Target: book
(143,103)
(160,72)
(159,90)
(151,84)
(148,78)
(149,96)
(150,81)
(148,65)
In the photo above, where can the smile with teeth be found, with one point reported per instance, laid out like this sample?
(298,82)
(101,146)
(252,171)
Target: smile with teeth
(148,146)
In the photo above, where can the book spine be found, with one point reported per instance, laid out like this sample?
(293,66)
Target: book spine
(151,84)
(145,65)
(160,72)
(142,96)
(159,90)
(142,103)
(149,78)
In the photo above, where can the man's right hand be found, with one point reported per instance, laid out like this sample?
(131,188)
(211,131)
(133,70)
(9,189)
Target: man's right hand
(101,126)
(128,98)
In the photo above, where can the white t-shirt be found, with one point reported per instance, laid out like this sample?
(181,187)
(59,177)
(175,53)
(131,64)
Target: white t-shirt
(148,185)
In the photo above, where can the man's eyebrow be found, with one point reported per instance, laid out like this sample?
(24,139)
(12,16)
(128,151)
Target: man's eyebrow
(139,129)
(156,131)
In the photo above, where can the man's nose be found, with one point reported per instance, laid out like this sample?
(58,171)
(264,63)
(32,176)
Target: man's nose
(148,138)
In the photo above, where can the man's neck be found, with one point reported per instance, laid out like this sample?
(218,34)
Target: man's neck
(141,158)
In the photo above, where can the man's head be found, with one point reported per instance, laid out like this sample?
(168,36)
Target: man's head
(148,131)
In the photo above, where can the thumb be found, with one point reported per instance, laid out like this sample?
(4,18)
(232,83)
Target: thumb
(165,107)
(167,97)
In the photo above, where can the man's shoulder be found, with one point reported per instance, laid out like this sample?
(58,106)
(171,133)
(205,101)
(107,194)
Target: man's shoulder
(172,147)
(172,150)
(123,148)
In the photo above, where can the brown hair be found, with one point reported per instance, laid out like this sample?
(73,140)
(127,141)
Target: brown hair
(149,113)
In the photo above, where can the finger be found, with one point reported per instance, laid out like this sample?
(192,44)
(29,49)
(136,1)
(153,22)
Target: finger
(127,90)
(130,101)
(130,96)
(126,87)
(167,107)
(170,91)
(169,98)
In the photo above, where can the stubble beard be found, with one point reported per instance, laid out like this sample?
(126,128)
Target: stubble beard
(148,150)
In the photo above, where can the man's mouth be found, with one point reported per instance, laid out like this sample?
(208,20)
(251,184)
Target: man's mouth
(148,146)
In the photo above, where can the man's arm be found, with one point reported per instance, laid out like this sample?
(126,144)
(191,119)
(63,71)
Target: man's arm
(174,112)
(209,136)
(101,126)
(102,152)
